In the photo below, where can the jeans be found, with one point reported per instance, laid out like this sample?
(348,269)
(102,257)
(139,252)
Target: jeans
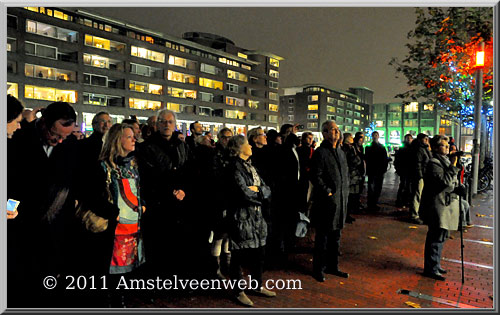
(434,243)
(253,258)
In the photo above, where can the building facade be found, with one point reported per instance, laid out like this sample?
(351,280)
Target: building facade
(312,104)
(100,64)
(394,120)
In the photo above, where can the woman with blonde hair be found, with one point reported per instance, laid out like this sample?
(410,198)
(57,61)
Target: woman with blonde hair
(117,247)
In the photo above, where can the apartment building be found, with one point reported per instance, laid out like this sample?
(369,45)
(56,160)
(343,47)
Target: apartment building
(394,120)
(312,104)
(98,64)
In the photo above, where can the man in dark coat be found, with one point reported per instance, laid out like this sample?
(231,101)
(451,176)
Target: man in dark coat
(286,193)
(196,130)
(163,164)
(403,166)
(44,163)
(91,147)
(421,155)
(330,178)
(376,165)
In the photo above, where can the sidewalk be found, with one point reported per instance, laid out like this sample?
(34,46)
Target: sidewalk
(384,256)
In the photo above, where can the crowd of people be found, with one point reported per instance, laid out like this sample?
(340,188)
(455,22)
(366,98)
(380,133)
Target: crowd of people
(146,200)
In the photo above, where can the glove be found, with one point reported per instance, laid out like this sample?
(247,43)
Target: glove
(461,190)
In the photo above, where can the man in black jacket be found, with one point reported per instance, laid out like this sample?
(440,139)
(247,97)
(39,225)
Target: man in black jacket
(91,146)
(163,165)
(376,165)
(330,178)
(403,166)
(44,164)
(421,155)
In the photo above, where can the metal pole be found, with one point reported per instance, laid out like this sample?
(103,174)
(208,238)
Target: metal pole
(461,227)
(478,98)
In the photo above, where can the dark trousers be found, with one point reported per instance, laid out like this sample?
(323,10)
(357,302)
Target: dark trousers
(326,250)
(353,203)
(404,191)
(251,258)
(375,182)
(434,243)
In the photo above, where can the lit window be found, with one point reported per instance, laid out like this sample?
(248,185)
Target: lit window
(428,107)
(242,55)
(330,100)
(274,62)
(143,104)
(253,104)
(48,73)
(51,31)
(147,54)
(174,107)
(274,73)
(356,122)
(312,125)
(312,107)
(330,109)
(312,98)
(49,94)
(181,77)
(273,107)
(233,101)
(12,89)
(235,114)
(312,116)
(181,93)
(412,107)
(209,83)
(96,61)
(237,76)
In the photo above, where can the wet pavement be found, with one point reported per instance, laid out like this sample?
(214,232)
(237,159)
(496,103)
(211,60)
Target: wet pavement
(384,256)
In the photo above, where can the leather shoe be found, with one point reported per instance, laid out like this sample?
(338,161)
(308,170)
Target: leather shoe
(416,221)
(349,219)
(337,273)
(319,276)
(435,276)
(442,271)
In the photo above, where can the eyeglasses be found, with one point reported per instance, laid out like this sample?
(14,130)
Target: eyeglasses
(164,122)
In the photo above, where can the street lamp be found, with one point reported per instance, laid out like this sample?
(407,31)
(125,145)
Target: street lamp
(478,98)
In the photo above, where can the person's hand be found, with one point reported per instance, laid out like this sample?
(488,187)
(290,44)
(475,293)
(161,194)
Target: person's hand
(12,214)
(454,159)
(254,188)
(143,209)
(118,219)
(295,128)
(179,194)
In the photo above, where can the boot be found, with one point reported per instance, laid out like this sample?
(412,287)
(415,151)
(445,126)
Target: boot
(243,299)
(264,292)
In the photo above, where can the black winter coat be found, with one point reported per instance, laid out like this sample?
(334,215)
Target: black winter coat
(45,187)
(329,174)
(247,226)
(421,156)
(376,159)
(403,160)
(163,167)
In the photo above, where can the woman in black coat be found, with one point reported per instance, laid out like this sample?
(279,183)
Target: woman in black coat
(247,226)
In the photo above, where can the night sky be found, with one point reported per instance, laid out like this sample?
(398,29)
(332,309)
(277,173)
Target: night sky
(338,47)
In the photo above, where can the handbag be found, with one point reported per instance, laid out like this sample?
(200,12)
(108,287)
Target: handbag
(92,222)
(301,229)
